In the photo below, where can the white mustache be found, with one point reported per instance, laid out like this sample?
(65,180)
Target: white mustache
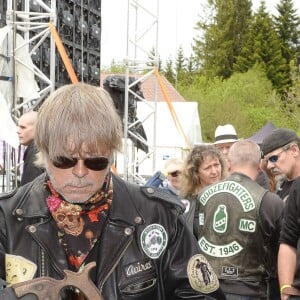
(78,183)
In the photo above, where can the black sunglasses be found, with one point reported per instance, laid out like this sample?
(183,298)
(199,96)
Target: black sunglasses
(93,163)
(175,173)
(274,158)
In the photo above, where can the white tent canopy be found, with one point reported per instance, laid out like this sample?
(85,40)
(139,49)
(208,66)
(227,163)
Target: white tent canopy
(169,141)
(167,134)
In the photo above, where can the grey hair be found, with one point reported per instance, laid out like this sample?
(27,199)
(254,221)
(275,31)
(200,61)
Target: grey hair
(244,152)
(74,115)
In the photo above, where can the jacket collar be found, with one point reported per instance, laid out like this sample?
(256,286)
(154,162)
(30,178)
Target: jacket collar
(33,197)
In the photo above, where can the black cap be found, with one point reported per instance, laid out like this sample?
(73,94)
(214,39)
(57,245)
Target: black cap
(278,138)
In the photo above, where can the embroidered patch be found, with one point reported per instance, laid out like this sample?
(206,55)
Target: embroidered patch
(247,225)
(201,219)
(138,268)
(227,250)
(154,240)
(201,276)
(18,269)
(229,271)
(220,219)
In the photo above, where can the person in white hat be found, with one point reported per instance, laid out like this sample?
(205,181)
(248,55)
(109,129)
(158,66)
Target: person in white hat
(225,137)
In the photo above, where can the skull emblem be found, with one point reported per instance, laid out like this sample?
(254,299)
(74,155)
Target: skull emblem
(68,219)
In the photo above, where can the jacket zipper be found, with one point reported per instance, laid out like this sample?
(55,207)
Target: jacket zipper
(42,260)
(102,282)
(42,252)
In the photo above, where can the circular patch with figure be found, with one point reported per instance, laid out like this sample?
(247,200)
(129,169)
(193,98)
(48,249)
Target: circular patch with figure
(201,276)
(154,240)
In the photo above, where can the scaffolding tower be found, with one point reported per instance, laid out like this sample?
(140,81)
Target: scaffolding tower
(27,29)
(30,19)
(141,58)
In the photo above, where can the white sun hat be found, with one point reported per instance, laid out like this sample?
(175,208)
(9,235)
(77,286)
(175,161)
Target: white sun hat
(225,134)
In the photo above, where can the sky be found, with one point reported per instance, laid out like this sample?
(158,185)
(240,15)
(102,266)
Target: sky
(176,22)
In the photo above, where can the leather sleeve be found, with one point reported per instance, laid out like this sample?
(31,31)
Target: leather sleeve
(182,247)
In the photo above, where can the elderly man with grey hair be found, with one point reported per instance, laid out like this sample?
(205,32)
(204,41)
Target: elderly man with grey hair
(80,213)
(281,150)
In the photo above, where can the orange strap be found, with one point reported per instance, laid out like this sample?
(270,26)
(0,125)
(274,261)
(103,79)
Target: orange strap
(171,108)
(63,54)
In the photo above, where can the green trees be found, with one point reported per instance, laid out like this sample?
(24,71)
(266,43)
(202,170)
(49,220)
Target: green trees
(244,69)
(246,100)
(236,40)
(287,25)
(247,61)
(266,50)
(223,37)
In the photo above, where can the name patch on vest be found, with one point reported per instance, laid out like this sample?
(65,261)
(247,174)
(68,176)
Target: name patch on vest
(228,250)
(138,268)
(229,271)
(232,187)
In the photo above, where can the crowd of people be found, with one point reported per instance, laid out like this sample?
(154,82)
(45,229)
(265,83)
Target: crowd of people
(237,193)
(220,223)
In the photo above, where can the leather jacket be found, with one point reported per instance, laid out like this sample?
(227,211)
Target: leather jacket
(124,266)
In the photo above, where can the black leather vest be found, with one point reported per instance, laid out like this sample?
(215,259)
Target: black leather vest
(230,235)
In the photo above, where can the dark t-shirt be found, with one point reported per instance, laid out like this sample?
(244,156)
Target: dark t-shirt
(284,189)
(291,226)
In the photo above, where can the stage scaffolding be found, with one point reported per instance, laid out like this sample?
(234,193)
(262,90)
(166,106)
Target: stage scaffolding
(30,19)
(32,27)
(141,58)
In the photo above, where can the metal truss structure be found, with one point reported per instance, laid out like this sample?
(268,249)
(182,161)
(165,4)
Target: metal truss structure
(141,58)
(32,26)
(30,19)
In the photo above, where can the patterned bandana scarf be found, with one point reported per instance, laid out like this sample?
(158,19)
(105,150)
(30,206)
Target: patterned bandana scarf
(80,225)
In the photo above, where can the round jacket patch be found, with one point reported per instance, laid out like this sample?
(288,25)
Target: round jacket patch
(154,240)
(201,276)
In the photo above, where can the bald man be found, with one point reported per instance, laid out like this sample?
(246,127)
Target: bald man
(26,127)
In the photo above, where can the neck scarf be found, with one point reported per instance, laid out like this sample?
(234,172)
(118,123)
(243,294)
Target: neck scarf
(80,225)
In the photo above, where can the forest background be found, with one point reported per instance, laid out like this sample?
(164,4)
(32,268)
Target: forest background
(244,69)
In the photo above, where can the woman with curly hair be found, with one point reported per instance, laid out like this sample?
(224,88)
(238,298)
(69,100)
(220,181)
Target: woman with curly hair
(204,165)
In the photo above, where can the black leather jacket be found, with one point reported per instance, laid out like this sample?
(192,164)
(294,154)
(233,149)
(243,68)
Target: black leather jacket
(27,229)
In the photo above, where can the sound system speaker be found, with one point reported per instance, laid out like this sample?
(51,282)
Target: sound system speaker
(79,28)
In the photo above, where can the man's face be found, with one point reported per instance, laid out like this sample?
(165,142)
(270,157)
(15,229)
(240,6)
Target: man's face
(282,159)
(78,183)
(25,131)
(210,171)
(224,148)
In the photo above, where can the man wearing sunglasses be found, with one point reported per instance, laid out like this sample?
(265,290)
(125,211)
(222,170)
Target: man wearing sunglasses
(78,213)
(282,150)
(279,150)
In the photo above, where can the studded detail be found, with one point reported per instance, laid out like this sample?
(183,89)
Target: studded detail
(150,190)
(19,212)
(128,231)
(32,229)
(138,220)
